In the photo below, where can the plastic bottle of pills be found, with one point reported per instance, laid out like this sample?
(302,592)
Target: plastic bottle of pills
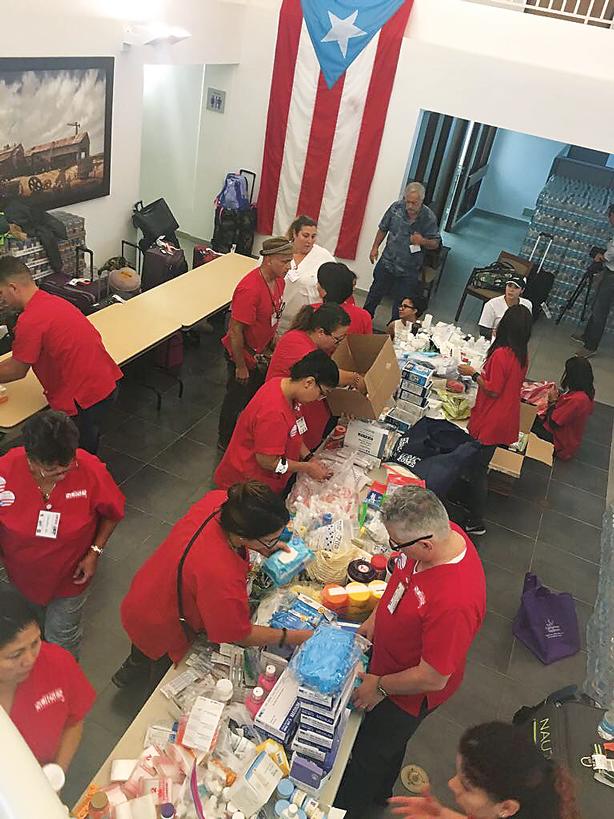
(267,680)
(280,806)
(167,811)
(285,789)
(223,690)
(254,701)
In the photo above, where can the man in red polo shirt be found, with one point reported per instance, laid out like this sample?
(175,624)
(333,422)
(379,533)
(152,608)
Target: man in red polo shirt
(421,630)
(257,305)
(63,348)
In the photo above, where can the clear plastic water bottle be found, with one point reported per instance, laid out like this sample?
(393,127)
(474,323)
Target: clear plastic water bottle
(605,728)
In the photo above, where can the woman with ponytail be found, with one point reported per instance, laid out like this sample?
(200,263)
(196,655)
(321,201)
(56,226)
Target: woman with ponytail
(500,773)
(320,327)
(196,580)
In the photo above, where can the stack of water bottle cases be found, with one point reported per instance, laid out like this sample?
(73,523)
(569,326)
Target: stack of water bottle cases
(574,212)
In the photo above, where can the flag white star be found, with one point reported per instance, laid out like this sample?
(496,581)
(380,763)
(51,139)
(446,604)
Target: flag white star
(342,31)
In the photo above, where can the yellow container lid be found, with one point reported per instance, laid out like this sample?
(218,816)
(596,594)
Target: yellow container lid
(377,588)
(358,594)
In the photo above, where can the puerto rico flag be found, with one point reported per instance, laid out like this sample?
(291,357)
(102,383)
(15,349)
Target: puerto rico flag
(335,62)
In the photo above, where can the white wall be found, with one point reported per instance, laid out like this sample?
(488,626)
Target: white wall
(170,138)
(518,167)
(95,27)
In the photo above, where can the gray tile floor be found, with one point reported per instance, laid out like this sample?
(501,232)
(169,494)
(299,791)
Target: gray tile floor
(164,461)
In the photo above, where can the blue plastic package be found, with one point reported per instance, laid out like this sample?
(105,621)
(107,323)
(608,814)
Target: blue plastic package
(325,661)
(282,566)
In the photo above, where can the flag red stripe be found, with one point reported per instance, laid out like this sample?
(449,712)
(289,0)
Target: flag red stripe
(286,50)
(321,138)
(372,128)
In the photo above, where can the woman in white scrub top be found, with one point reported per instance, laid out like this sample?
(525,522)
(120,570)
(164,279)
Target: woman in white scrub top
(302,278)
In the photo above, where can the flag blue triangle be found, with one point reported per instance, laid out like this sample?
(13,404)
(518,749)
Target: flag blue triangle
(341,29)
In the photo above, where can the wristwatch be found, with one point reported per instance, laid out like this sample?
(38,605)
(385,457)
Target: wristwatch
(380,688)
(282,466)
(98,549)
(475,376)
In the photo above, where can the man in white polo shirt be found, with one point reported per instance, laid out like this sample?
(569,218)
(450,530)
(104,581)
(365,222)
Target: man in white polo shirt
(495,309)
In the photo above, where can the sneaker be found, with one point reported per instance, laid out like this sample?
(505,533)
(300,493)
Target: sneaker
(474,527)
(222,446)
(577,337)
(585,353)
(129,673)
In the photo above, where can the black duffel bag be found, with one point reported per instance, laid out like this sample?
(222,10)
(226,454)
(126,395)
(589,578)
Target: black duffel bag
(154,220)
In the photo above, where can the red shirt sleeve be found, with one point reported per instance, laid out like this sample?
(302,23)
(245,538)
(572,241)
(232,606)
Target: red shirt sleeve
(224,609)
(568,407)
(28,340)
(446,638)
(81,694)
(244,303)
(271,433)
(109,501)
(497,370)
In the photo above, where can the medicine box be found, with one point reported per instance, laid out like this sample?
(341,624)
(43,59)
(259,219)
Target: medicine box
(416,389)
(414,399)
(417,374)
(366,437)
(279,712)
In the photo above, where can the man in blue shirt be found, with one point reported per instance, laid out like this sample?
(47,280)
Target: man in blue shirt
(411,228)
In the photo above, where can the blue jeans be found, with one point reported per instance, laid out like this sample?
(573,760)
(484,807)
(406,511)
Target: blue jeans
(397,287)
(61,620)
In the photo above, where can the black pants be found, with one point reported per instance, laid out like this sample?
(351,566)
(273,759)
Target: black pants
(236,399)
(89,422)
(385,283)
(477,497)
(377,757)
(604,298)
(540,430)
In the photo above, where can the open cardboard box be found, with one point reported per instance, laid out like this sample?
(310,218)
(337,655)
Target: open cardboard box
(374,358)
(510,463)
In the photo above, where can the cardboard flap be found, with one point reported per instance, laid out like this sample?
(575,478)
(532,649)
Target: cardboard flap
(510,463)
(528,414)
(351,402)
(343,357)
(540,450)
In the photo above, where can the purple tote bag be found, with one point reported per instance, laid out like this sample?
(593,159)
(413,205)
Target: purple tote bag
(546,621)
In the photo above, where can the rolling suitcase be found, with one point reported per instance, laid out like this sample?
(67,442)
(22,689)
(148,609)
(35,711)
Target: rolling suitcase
(83,294)
(539,280)
(203,254)
(234,227)
(162,262)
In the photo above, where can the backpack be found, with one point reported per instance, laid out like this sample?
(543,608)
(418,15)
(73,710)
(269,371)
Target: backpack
(234,194)
(494,276)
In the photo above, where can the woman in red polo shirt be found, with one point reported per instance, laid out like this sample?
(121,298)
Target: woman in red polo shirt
(569,409)
(206,555)
(336,284)
(58,508)
(314,328)
(267,444)
(495,418)
(500,772)
(42,688)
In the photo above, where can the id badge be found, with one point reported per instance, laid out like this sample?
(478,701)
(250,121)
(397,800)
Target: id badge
(48,524)
(396,597)
(274,319)
(301,425)
(415,248)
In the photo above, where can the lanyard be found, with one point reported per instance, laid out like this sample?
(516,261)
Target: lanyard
(187,629)
(277,311)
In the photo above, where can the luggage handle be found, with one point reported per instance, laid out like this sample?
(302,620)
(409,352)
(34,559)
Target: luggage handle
(138,256)
(82,250)
(249,175)
(541,236)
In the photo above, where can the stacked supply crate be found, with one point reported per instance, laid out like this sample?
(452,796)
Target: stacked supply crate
(33,253)
(575,213)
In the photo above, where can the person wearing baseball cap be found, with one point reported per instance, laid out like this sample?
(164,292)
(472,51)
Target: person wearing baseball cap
(257,305)
(494,309)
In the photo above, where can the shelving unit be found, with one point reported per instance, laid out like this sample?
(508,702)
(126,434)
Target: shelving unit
(574,211)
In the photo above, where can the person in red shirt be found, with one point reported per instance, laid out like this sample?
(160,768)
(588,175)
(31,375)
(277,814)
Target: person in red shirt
(314,328)
(421,630)
(64,349)
(495,418)
(267,444)
(206,554)
(336,284)
(500,772)
(42,688)
(58,508)
(257,305)
(569,409)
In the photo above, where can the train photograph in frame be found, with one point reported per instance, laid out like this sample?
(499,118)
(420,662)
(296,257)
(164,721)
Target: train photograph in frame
(55,129)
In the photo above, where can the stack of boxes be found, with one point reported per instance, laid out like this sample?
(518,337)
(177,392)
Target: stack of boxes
(416,384)
(34,255)
(308,724)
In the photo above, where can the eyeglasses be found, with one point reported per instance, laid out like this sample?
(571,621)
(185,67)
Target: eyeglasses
(270,546)
(407,306)
(396,547)
(324,391)
(336,339)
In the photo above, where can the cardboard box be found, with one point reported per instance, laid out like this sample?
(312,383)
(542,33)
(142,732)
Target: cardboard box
(375,359)
(510,463)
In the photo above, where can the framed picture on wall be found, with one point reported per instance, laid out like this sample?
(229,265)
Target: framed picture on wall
(55,129)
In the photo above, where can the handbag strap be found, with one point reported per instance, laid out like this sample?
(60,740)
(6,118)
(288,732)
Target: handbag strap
(187,629)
